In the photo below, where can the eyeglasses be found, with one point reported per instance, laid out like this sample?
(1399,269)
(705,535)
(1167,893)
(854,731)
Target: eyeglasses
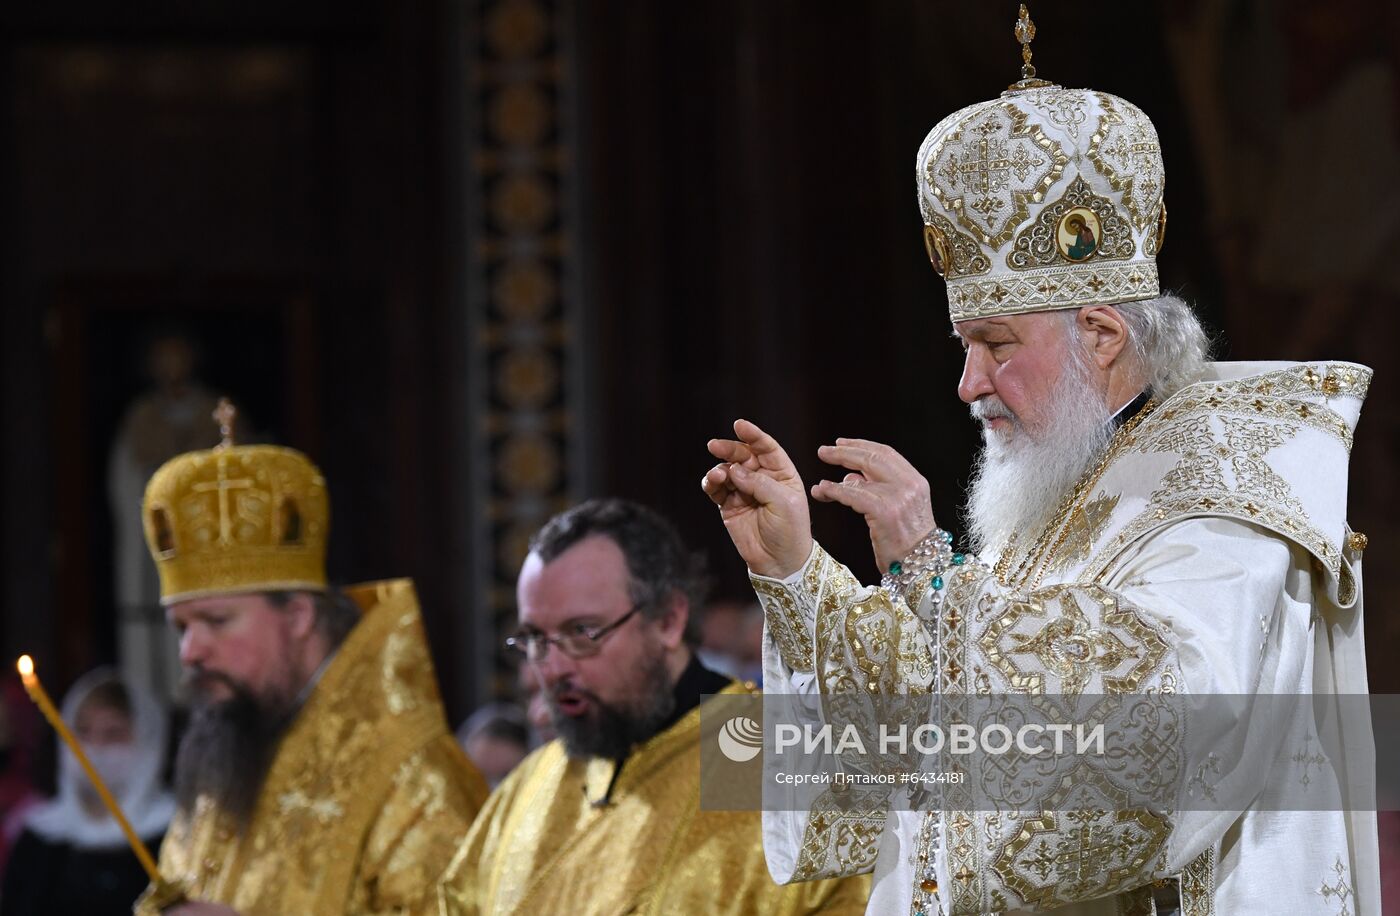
(578,641)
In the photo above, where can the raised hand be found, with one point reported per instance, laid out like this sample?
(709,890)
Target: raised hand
(761,500)
(883,487)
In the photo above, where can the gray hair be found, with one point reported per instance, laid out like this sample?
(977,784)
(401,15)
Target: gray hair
(1169,344)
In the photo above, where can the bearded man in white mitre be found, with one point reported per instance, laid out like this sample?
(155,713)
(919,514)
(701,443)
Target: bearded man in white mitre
(1142,522)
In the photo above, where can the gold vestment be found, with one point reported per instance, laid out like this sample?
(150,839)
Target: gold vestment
(542,846)
(1206,556)
(368,796)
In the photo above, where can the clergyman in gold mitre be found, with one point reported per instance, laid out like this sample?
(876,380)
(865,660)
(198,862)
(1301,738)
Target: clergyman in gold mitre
(1145,526)
(318,774)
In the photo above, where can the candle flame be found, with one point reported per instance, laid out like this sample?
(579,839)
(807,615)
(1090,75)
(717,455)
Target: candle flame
(25,666)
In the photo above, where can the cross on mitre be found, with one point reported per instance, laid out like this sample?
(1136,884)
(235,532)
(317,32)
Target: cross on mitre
(1025,34)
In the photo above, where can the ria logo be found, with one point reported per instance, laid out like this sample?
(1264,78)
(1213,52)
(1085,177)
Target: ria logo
(741,739)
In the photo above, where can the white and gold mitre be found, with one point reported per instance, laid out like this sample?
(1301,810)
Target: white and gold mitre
(237,518)
(1044,198)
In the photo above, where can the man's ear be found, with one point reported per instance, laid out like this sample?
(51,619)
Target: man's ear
(671,625)
(301,614)
(1105,332)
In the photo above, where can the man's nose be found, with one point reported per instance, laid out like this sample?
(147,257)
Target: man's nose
(976,382)
(194,649)
(553,664)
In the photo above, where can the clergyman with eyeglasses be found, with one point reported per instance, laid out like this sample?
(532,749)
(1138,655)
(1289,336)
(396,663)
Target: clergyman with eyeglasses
(606,818)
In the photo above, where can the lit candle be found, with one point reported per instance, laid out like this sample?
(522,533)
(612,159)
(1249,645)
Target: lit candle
(41,699)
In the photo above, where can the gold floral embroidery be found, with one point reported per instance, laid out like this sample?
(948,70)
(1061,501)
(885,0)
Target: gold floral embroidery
(873,644)
(1086,525)
(1152,242)
(1088,843)
(1066,108)
(873,637)
(1198,885)
(965,255)
(1072,650)
(1083,645)
(814,576)
(1284,411)
(963,846)
(992,647)
(1035,245)
(1125,149)
(964,852)
(1051,288)
(1226,430)
(992,168)
(843,834)
(836,668)
(1124,653)
(963,587)
(786,623)
(1336,380)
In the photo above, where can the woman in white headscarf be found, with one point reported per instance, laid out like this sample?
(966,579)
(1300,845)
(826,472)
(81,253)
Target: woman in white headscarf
(72,856)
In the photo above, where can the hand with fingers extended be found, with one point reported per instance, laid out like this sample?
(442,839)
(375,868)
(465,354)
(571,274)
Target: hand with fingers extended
(761,500)
(884,487)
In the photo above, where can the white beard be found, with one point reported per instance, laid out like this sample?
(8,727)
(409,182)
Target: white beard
(1020,478)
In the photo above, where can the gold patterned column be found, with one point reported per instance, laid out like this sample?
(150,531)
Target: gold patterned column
(525,376)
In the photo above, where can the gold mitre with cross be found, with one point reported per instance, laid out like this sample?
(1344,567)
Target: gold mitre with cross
(237,518)
(1043,198)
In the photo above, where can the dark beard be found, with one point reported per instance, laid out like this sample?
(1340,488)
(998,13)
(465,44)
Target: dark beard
(227,750)
(610,731)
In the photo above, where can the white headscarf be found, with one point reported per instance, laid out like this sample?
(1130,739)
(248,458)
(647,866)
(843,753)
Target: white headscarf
(133,775)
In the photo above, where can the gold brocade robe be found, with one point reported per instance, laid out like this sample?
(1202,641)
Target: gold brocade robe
(1207,581)
(366,800)
(541,846)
